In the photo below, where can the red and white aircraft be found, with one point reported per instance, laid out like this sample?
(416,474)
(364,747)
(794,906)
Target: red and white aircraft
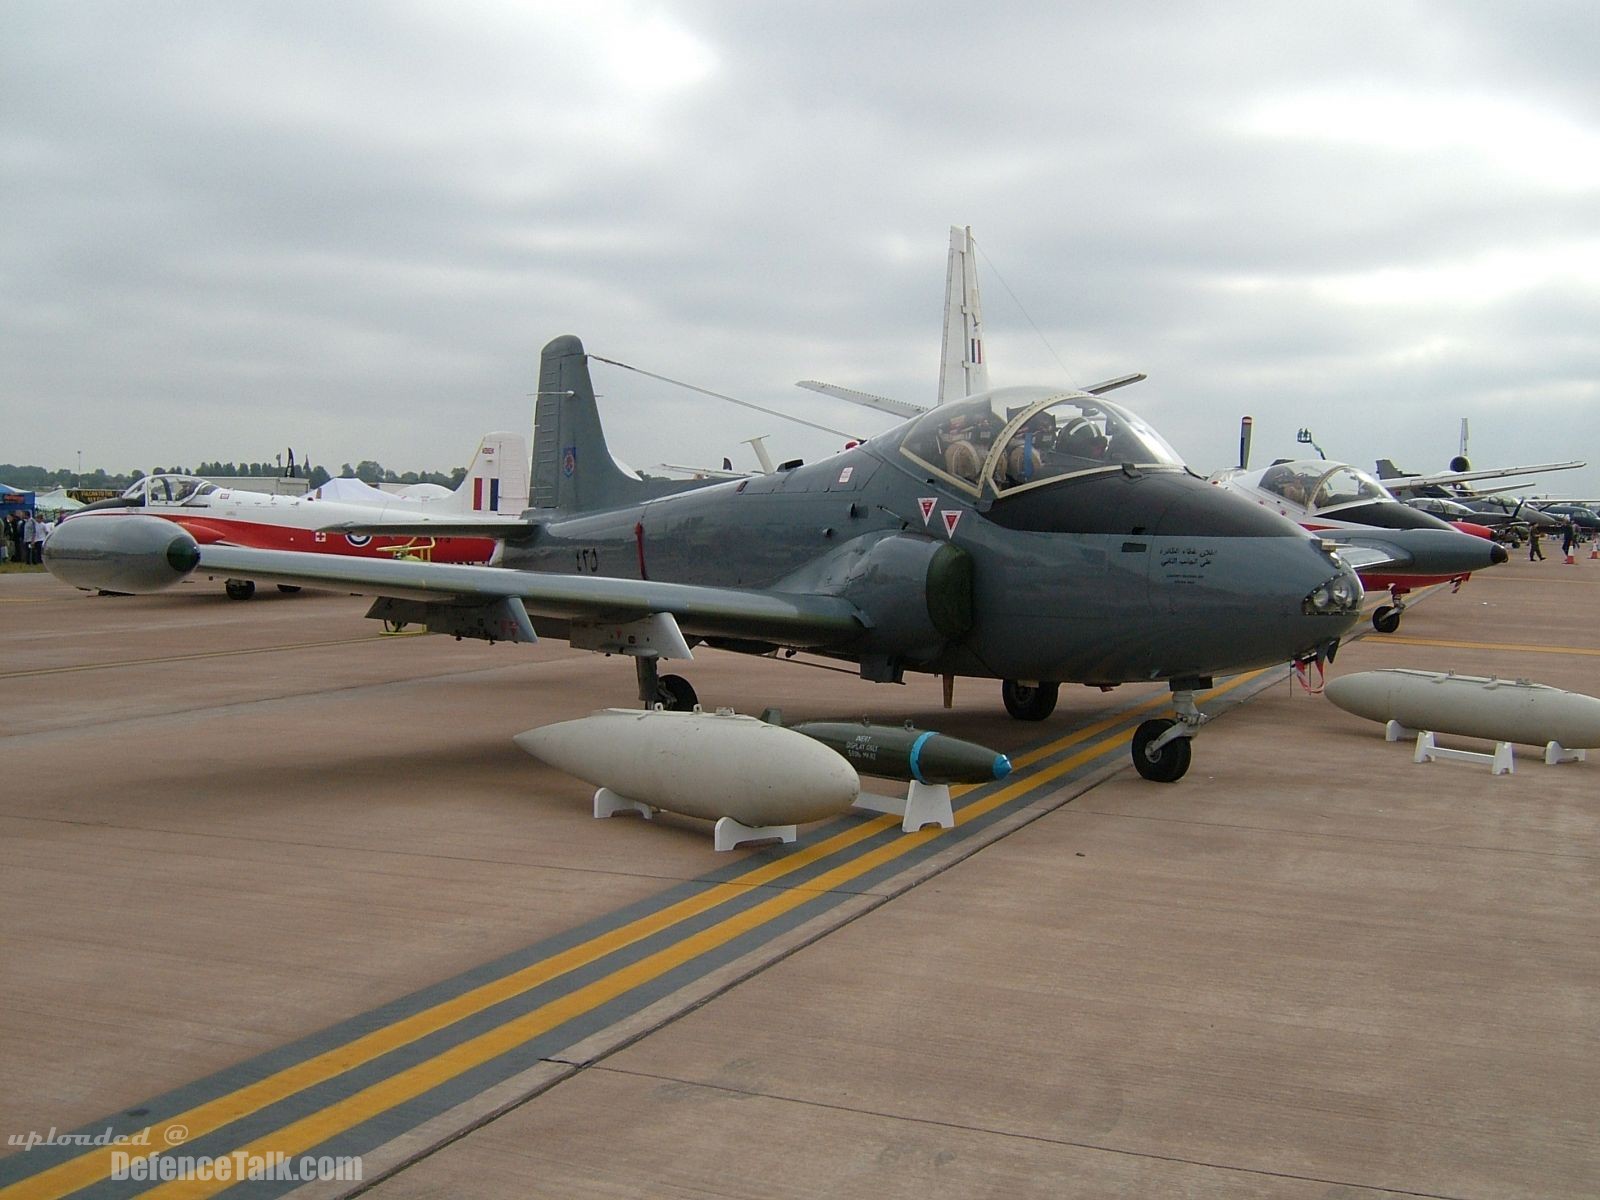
(1391,545)
(430,523)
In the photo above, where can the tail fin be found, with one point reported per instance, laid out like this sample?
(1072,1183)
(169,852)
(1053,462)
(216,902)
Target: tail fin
(573,471)
(496,480)
(962,370)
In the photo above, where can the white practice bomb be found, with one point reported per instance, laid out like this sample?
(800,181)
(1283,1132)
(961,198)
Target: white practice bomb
(1499,710)
(709,765)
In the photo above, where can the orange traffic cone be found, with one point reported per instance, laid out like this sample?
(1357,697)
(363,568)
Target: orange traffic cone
(1571,560)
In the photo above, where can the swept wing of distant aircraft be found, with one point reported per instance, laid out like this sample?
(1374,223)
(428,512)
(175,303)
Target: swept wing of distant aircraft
(1451,484)
(459,527)
(1392,545)
(963,365)
(982,539)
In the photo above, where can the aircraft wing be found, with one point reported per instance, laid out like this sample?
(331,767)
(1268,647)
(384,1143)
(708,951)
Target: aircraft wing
(1408,484)
(898,408)
(709,612)
(1370,558)
(1111,385)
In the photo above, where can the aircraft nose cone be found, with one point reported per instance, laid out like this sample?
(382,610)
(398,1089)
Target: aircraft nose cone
(1497,555)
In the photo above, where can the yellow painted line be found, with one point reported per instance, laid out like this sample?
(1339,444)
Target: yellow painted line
(89,1168)
(23,600)
(166,658)
(169,1135)
(1513,647)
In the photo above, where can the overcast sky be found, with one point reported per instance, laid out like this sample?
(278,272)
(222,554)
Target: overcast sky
(233,227)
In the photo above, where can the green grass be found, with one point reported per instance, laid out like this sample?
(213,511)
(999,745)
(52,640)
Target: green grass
(12,568)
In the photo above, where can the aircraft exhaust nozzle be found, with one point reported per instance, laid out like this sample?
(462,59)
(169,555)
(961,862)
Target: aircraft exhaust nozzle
(120,553)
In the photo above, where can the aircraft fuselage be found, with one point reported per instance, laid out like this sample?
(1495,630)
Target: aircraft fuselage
(1106,578)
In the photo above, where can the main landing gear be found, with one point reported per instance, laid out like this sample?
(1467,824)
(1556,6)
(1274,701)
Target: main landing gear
(240,589)
(673,692)
(1161,749)
(1029,701)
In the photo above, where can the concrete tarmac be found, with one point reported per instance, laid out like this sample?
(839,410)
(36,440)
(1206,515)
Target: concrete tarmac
(1311,968)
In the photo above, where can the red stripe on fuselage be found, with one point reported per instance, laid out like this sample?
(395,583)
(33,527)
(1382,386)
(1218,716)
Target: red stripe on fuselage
(213,529)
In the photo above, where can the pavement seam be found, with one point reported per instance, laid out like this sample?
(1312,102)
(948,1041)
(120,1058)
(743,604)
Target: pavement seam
(1377,1189)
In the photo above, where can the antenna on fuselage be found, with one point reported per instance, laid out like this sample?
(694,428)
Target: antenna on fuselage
(1246,427)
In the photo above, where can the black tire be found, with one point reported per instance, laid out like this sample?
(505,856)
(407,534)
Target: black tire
(677,694)
(1386,619)
(241,589)
(1167,765)
(290,588)
(1029,703)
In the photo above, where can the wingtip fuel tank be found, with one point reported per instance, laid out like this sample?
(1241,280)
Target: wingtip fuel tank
(120,553)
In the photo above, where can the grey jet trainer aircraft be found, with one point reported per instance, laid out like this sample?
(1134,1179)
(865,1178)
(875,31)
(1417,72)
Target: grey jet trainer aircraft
(1029,535)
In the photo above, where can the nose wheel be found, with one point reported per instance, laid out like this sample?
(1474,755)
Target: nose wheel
(1161,749)
(1158,761)
(1386,617)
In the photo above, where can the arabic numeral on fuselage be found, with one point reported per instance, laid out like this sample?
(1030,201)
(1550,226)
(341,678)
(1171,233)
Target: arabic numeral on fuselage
(588,560)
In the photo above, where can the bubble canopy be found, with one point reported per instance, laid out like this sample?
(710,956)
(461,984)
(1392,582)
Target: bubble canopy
(1321,486)
(167,489)
(1013,439)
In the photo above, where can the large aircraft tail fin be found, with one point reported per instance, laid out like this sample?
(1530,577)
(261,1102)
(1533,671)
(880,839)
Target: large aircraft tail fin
(963,370)
(496,480)
(572,469)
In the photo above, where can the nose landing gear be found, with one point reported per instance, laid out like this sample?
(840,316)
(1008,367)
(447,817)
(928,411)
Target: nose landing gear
(1386,617)
(1161,749)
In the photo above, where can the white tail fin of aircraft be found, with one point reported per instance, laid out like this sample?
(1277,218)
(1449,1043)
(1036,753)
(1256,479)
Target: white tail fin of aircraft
(962,369)
(963,364)
(496,481)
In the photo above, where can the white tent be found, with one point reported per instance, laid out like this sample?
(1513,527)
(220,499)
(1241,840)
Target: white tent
(56,502)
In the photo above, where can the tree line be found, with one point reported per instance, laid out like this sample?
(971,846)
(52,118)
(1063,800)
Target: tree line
(43,479)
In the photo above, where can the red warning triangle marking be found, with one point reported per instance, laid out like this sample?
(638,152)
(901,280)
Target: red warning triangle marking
(951,517)
(926,504)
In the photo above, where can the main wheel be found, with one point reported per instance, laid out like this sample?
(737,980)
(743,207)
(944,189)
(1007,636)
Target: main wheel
(1166,765)
(677,694)
(1029,702)
(1385,619)
(288,587)
(241,589)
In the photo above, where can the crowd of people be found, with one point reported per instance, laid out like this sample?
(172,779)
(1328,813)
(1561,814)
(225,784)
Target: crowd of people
(23,537)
